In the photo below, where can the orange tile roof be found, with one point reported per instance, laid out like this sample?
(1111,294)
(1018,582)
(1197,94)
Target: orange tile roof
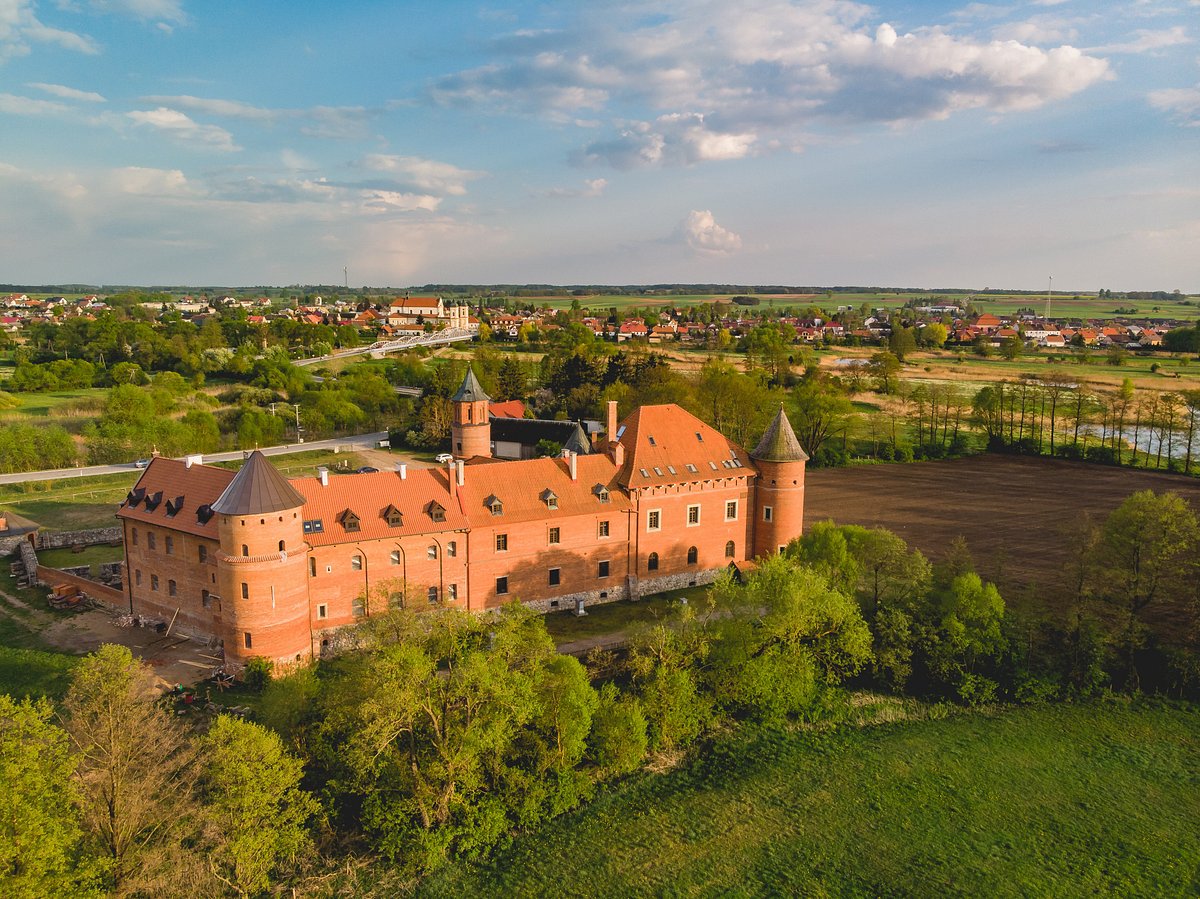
(368,495)
(507,409)
(658,439)
(521,487)
(199,486)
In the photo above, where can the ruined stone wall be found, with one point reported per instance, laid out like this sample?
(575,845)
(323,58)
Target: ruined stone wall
(92,537)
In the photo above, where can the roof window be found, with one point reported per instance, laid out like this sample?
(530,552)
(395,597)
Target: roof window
(204,513)
(601,492)
(692,468)
(712,464)
(658,471)
(135,496)
(393,516)
(651,439)
(314,526)
(349,521)
(174,506)
(699,436)
(436,511)
(550,498)
(494,505)
(153,500)
(645,473)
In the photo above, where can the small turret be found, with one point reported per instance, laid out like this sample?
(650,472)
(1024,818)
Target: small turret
(471,431)
(779,489)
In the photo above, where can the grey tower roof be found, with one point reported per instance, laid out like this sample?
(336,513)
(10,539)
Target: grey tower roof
(779,444)
(257,488)
(470,392)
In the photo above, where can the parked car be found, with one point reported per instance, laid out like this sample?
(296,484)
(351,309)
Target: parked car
(142,463)
(443,458)
(365,469)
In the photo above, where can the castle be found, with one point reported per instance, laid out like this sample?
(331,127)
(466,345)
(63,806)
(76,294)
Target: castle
(272,567)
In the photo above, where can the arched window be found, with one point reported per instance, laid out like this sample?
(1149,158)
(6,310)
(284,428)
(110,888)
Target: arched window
(245,550)
(282,548)
(652,562)
(356,563)
(432,551)
(395,557)
(692,555)
(730,550)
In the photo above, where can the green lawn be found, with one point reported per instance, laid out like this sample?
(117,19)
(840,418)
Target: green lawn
(27,666)
(1099,799)
(615,617)
(89,555)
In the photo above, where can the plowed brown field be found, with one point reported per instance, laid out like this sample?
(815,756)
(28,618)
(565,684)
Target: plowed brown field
(1012,511)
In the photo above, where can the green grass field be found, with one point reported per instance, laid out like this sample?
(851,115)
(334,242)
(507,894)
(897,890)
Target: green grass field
(1100,799)
(28,667)
(617,617)
(89,555)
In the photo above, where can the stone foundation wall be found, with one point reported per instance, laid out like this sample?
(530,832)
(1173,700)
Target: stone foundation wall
(648,586)
(93,537)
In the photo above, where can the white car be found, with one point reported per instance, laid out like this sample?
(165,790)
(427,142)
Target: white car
(443,458)
(142,463)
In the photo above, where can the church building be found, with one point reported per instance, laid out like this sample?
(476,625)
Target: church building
(273,567)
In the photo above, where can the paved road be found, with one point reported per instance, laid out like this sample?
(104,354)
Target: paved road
(381,348)
(358,440)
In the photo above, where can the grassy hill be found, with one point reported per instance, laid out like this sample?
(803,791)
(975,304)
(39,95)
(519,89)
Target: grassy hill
(1099,799)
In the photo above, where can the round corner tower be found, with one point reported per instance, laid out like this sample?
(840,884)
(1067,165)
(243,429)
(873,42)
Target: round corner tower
(779,490)
(261,568)
(471,432)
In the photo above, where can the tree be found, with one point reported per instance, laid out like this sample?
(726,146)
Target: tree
(885,368)
(255,813)
(1148,552)
(618,740)
(135,770)
(902,342)
(40,828)
(821,412)
(934,335)
(965,643)
(782,640)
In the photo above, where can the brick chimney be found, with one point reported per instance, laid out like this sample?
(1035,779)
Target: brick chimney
(611,433)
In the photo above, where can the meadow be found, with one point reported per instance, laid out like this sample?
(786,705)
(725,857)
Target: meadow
(1067,800)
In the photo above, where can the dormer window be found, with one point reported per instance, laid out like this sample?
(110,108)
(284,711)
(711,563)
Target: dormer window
(494,505)
(174,506)
(550,499)
(393,517)
(135,496)
(436,511)
(204,513)
(349,521)
(152,502)
(601,493)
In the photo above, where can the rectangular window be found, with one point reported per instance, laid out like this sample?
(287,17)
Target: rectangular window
(154,582)
(602,530)
(451,592)
(357,609)
(433,595)
(501,586)
(137,577)
(247,641)
(501,543)
(312,567)
(322,611)
(731,510)
(693,516)
(555,577)
(202,553)
(172,590)
(356,563)
(767,513)
(653,520)
(452,549)
(245,590)
(150,539)
(134,530)
(553,536)
(169,545)
(602,569)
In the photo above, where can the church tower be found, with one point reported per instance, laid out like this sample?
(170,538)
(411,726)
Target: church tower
(779,490)
(262,568)
(471,432)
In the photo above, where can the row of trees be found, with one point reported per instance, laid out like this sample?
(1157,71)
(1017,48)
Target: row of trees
(113,795)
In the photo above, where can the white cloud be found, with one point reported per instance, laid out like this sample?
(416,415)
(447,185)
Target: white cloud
(233,109)
(1183,104)
(179,127)
(19,28)
(67,93)
(1146,40)
(148,182)
(702,234)
(10,104)
(162,11)
(423,174)
(592,187)
(721,80)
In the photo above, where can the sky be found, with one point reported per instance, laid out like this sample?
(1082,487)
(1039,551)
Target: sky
(1037,144)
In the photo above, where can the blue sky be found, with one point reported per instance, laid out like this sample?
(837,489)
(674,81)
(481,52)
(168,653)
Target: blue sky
(763,142)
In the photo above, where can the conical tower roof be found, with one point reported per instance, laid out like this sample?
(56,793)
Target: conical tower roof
(257,488)
(470,392)
(779,444)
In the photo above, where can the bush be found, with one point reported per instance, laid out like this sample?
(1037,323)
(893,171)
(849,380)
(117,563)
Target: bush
(257,673)
(1104,455)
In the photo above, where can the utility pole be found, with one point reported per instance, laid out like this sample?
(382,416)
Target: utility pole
(1049,290)
(272,408)
(299,439)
